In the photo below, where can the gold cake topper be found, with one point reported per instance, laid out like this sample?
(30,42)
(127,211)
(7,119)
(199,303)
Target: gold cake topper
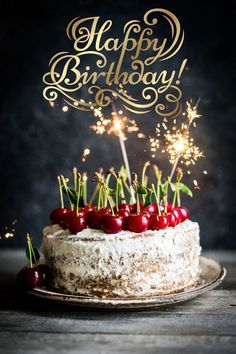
(102,67)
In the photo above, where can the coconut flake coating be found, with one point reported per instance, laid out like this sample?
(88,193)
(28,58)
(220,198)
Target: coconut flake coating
(126,264)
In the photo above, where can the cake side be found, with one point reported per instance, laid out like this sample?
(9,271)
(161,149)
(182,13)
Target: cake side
(126,264)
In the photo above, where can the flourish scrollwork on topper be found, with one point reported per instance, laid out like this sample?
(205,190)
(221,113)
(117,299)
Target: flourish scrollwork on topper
(100,65)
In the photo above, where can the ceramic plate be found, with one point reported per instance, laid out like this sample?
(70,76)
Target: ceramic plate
(212,274)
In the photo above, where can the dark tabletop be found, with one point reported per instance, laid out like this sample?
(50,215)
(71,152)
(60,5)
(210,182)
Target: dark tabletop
(206,324)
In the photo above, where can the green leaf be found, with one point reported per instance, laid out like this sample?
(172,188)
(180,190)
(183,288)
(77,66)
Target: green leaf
(81,202)
(141,190)
(173,186)
(36,252)
(183,188)
(164,188)
(73,195)
(148,199)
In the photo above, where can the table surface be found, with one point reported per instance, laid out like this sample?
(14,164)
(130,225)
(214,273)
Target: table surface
(206,324)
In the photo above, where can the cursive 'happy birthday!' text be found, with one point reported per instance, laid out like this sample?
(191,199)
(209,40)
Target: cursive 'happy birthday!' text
(104,64)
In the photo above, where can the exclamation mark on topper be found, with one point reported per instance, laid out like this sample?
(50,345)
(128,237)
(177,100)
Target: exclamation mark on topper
(181,70)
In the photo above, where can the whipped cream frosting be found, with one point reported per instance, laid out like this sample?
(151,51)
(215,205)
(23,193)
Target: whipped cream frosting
(126,264)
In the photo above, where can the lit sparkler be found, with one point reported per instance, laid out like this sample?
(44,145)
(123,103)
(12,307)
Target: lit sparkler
(178,143)
(117,128)
(118,125)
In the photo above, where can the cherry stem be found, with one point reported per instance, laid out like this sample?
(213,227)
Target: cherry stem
(122,193)
(157,201)
(66,190)
(110,202)
(166,198)
(117,194)
(107,183)
(144,177)
(29,249)
(78,198)
(99,196)
(84,187)
(75,172)
(174,198)
(178,198)
(61,193)
(138,203)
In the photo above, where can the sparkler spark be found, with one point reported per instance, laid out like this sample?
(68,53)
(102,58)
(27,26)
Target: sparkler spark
(181,145)
(177,142)
(85,155)
(9,231)
(117,124)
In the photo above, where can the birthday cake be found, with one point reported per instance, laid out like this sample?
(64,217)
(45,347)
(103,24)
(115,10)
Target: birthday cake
(123,250)
(126,264)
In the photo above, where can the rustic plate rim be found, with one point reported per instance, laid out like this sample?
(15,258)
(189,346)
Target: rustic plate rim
(133,303)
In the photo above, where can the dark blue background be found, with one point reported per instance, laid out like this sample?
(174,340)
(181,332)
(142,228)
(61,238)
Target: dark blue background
(38,142)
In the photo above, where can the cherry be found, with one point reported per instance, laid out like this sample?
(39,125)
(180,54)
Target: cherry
(122,213)
(111,224)
(146,213)
(77,224)
(134,207)
(137,223)
(66,219)
(177,215)
(56,216)
(162,222)
(170,207)
(30,277)
(125,207)
(153,222)
(184,213)
(172,220)
(88,208)
(94,217)
(45,273)
(151,208)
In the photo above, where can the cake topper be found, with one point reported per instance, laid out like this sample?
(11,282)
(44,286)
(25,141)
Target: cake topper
(101,62)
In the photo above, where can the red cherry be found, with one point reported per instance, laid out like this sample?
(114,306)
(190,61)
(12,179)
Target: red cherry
(94,217)
(172,220)
(137,223)
(153,222)
(162,222)
(88,208)
(122,213)
(77,224)
(169,207)
(151,208)
(66,219)
(30,277)
(57,215)
(146,213)
(134,207)
(45,273)
(177,215)
(111,224)
(184,213)
(126,207)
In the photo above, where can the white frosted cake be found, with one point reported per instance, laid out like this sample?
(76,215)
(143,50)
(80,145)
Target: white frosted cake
(125,264)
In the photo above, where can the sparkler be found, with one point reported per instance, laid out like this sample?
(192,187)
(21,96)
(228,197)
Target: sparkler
(178,144)
(117,128)
(118,124)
